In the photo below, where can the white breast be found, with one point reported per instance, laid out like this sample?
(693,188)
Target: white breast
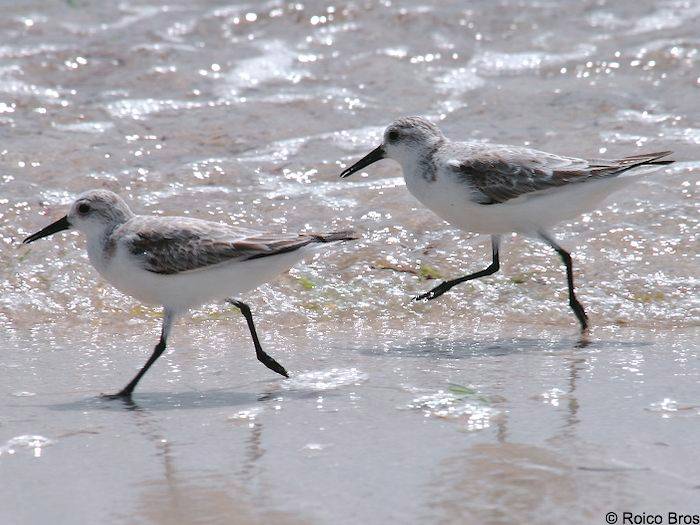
(452,201)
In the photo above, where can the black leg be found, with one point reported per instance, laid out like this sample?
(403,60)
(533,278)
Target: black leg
(447,285)
(265,359)
(573,301)
(126,392)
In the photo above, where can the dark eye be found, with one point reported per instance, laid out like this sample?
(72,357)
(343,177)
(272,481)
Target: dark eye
(393,135)
(83,208)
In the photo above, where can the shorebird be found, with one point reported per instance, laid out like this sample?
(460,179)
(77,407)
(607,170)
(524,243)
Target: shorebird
(498,189)
(180,262)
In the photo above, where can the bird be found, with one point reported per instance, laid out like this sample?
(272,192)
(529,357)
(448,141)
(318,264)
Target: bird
(497,189)
(180,263)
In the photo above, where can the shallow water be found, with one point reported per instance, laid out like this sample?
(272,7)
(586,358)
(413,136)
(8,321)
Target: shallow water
(481,407)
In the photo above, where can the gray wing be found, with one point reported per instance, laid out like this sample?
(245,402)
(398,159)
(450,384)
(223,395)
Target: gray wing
(169,245)
(502,173)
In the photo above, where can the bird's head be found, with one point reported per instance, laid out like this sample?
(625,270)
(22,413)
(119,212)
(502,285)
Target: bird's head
(405,140)
(93,213)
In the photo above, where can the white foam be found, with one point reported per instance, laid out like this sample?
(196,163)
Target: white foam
(325,379)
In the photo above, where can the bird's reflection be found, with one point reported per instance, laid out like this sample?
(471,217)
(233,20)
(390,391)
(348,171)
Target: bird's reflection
(575,365)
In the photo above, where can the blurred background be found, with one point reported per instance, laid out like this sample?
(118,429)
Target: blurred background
(482,406)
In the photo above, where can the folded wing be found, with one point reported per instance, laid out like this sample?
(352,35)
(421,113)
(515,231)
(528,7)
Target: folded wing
(170,245)
(501,173)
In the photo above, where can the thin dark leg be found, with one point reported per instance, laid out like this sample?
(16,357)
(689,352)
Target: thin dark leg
(573,301)
(265,359)
(126,392)
(447,285)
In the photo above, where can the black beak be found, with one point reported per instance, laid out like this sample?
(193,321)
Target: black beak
(372,157)
(60,225)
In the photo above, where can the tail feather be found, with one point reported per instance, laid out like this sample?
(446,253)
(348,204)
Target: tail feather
(644,159)
(344,235)
(619,166)
(303,239)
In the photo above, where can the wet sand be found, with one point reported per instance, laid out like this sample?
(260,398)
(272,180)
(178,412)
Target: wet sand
(481,407)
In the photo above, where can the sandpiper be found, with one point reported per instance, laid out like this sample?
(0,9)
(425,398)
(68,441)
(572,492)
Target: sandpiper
(179,262)
(498,189)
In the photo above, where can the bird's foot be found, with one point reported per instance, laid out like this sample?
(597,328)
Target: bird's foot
(124,395)
(434,293)
(273,365)
(580,315)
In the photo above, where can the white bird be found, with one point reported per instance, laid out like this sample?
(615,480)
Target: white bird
(498,189)
(179,262)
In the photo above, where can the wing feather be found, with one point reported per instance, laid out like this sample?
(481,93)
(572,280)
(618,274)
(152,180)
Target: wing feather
(501,173)
(170,245)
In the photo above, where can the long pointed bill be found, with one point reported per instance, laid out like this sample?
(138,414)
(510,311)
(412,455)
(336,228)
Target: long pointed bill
(60,225)
(372,157)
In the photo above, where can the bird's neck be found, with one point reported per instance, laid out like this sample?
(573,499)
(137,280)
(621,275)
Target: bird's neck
(100,244)
(419,165)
